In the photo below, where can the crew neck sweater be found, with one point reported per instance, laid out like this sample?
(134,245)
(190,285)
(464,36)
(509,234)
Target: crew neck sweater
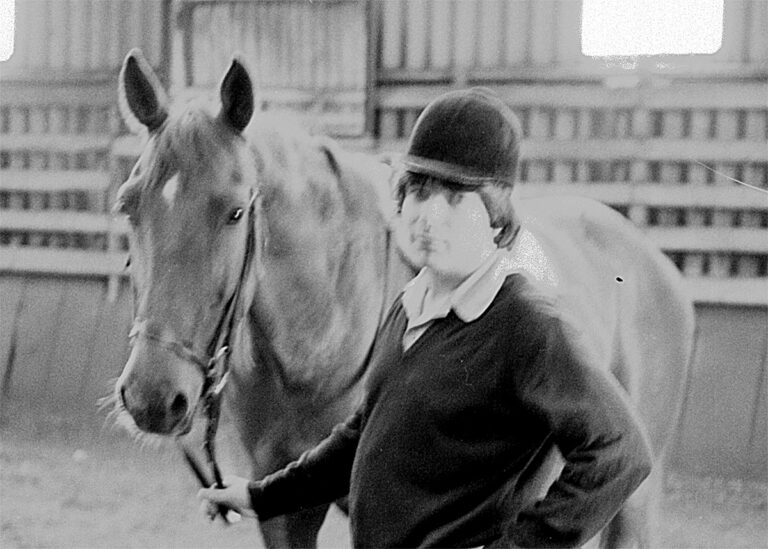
(448,428)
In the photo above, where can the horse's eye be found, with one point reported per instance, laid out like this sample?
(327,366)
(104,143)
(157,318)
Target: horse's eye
(235,216)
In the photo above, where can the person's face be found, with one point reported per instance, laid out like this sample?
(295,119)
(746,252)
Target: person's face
(448,230)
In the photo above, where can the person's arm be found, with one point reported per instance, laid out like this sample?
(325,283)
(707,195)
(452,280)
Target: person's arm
(321,475)
(606,451)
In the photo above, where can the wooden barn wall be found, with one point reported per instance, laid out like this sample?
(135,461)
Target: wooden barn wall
(75,38)
(723,428)
(288,43)
(62,344)
(461,39)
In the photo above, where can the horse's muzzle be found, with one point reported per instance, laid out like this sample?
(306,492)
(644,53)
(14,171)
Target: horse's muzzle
(158,410)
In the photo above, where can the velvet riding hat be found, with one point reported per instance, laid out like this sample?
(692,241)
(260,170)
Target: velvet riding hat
(470,137)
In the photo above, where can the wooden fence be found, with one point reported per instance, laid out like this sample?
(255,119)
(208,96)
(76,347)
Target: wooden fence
(640,144)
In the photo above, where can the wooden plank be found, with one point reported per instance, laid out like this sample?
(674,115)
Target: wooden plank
(392,34)
(92,181)
(585,95)
(464,40)
(68,262)
(441,29)
(577,95)
(757,458)
(757,48)
(671,150)
(61,221)
(710,239)
(79,34)
(517,23)
(568,33)
(542,35)
(62,142)
(109,348)
(37,324)
(747,292)
(57,54)
(72,343)
(715,434)
(417,39)
(491,34)
(114,22)
(12,290)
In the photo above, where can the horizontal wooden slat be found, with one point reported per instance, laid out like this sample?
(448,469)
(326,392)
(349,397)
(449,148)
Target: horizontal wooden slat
(63,262)
(672,150)
(710,239)
(728,291)
(742,95)
(654,194)
(91,90)
(54,180)
(55,143)
(60,221)
(649,150)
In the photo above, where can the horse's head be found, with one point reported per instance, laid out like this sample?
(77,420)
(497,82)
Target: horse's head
(189,200)
(315,236)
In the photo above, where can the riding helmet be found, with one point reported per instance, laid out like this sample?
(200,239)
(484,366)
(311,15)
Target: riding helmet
(470,137)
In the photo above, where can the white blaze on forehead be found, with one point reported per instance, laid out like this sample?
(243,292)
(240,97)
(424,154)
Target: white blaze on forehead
(170,189)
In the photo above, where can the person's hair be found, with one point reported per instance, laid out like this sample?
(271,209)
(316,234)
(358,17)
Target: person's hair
(496,198)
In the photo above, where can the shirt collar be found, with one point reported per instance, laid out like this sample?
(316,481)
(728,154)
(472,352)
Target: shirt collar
(473,296)
(469,300)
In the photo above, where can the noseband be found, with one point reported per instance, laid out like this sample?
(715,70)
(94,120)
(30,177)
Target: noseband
(214,366)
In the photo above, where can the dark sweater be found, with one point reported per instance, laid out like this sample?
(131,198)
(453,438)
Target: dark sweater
(433,455)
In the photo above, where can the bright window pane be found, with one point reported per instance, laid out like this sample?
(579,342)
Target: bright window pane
(6,29)
(651,27)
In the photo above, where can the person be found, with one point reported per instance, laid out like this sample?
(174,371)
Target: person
(473,375)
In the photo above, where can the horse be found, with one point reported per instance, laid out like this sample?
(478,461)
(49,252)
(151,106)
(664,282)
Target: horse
(292,241)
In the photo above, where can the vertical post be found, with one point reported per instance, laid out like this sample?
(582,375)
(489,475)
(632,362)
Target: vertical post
(184,22)
(373,41)
(166,43)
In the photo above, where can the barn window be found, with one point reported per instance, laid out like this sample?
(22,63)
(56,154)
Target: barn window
(7,17)
(651,27)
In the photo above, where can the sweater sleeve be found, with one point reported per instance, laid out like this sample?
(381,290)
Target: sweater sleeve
(321,475)
(606,452)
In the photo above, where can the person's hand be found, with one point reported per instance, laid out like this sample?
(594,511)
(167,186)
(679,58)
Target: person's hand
(234,495)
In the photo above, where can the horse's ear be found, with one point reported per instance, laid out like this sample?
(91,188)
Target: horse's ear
(237,102)
(141,96)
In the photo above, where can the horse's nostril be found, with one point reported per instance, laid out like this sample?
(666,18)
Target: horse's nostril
(179,406)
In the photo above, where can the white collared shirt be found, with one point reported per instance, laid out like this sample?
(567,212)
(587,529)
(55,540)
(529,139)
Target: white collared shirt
(473,296)
(469,300)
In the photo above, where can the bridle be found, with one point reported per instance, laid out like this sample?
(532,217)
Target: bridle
(214,365)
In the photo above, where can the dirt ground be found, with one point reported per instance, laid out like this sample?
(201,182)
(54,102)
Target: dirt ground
(61,488)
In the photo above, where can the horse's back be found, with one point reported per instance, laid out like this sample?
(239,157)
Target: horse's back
(626,297)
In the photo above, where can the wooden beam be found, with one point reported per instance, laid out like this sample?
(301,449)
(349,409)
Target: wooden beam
(54,180)
(737,240)
(62,262)
(61,221)
(750,292)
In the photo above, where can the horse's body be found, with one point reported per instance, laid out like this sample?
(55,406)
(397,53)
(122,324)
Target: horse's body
(321,273)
